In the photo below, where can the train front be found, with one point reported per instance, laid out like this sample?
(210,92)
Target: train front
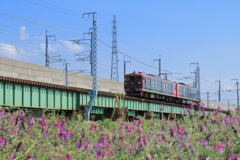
(134,84)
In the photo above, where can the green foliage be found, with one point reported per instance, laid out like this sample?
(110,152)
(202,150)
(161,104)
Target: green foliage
(55,137)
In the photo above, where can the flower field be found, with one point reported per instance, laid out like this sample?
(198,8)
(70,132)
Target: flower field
(198,136)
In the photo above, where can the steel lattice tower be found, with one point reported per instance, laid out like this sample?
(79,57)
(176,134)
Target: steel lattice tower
(197,78)
(114,64)
(93,58)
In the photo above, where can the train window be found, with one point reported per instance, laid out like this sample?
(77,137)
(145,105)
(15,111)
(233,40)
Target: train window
(126,78)
(184,91)
(156,84)
(152,83)
(140,78)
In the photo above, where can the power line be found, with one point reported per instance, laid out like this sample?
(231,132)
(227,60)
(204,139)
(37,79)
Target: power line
(81,32)
(39,23)
(99,27)
(207,81)
(136,59)
(146,49)
(59,7)
(50,8)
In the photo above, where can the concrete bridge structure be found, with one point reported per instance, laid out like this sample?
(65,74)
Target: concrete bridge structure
(34,86)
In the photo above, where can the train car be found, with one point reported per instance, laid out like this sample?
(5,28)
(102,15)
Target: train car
(149,86)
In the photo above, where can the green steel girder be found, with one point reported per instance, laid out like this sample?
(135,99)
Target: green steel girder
(23,95)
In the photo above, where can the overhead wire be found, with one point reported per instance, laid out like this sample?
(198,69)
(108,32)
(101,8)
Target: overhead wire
(81,32)
(61,52)
(39,23)
(99,27)
(76,31)
(136,59)
(50,8)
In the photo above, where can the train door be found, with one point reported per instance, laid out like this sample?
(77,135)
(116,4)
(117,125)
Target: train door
(148,83)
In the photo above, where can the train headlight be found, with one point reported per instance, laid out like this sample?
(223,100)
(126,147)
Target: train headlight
(139,82)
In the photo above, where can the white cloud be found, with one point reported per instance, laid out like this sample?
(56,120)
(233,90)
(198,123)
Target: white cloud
(11,51)
(70,45)
(227,87)
(40,37)
(8,50)
(50,47)
(23,34)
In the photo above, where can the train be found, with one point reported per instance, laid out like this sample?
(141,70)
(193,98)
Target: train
(151,87)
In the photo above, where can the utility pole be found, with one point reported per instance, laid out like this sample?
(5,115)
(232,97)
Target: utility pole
(93,67)
(66,73)
(228,104)
(208,100)
(47,56)
(236,79)
(114,66)
(125,62)
(219,91)
(159,67)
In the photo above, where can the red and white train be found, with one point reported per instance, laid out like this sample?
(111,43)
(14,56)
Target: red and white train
(149,86)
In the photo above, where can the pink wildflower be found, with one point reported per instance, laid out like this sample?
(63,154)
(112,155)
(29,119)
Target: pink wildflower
(10,116)
(42,127)
(135,122)
(130,130)
(68,133)
(57,123)
(93,127)
(88,146)
(2,111)
(46,148)
(235,157)
(11,155)
(219,109)
(3,142)
(215,113)
(128,126)
(228,144)
(201,108)
(139,122)
(172,130)
(109,153)
(68,156)
(164,138)
(31,134)
(219,147)
(202,127)
(149,157)
(179,129)
(12,122)
(190,105)
(30,121)
(62,129)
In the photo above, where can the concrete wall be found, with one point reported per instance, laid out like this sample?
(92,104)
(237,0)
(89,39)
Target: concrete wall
(27,71)
(213,104)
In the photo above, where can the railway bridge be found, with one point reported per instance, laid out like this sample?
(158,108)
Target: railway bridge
(38,87)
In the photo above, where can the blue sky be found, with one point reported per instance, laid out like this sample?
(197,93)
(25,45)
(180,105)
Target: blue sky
(182,32)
